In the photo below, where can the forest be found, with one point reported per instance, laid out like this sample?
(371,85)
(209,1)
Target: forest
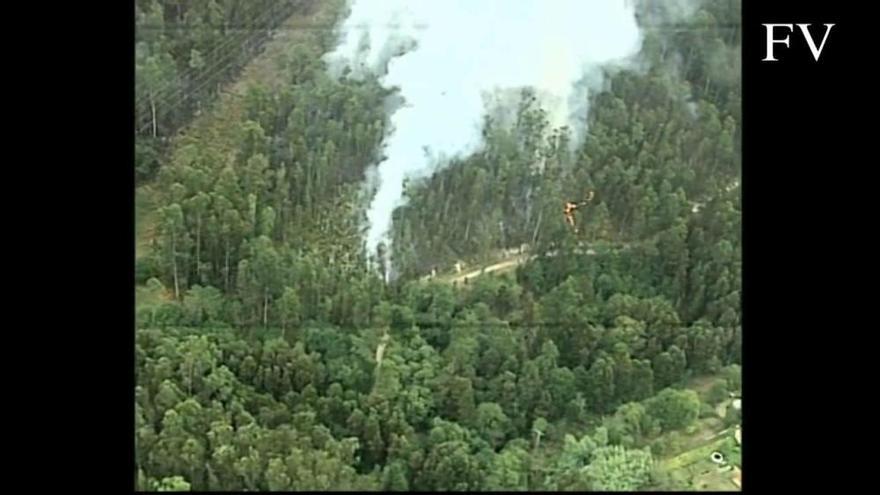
(271,356)
(185,51)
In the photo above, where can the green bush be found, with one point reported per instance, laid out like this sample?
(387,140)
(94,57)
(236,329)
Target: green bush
(146,158)
(666,445)
(733,375)
(144,317)
(731,451)
(674,409)
(717,393)
(145,269)
(168,314)
(707,411)
(732,417)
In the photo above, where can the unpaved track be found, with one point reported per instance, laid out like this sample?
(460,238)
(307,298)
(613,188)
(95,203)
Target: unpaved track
(522,258)
(489,269)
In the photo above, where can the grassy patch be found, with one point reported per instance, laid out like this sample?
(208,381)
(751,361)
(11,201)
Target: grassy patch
(151,295)
(693,456)
(703,384)
(710,478)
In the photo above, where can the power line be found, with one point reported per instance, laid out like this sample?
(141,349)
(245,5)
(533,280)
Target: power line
(227,42)
(292,26)
(207,76)
(262,19)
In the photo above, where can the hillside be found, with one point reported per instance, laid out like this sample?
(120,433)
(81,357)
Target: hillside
(272,355)
(216,127)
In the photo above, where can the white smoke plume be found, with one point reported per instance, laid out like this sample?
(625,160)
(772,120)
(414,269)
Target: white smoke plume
(445,56)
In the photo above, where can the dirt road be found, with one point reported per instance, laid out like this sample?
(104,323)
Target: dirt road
(489,269)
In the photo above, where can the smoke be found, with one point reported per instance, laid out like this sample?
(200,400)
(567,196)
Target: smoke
(664,14)
(446,58)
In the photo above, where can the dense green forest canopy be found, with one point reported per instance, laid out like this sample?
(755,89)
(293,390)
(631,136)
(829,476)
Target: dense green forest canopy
(269,356)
